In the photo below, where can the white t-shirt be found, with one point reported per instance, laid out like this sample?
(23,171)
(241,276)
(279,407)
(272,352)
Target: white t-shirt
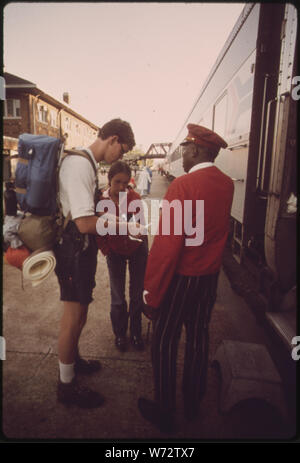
(77,186)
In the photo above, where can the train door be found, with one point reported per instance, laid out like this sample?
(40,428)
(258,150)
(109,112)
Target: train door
(281,213)
(270,205)
(262,126)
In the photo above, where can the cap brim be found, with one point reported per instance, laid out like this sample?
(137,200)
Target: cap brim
(186,142)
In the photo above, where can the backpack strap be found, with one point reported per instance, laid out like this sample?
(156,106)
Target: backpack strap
(85,154)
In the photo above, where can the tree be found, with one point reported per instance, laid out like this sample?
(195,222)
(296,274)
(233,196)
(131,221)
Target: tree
(133,156)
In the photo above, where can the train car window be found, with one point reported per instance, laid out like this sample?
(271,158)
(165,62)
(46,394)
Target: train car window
(207,119)
(176,154)
(220,116)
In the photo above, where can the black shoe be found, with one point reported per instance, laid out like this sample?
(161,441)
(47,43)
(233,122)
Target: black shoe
(162,419)
(86,367)
(121,343)
(137,343)
(73,394)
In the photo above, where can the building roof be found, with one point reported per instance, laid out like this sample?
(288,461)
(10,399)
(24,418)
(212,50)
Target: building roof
(17,83)
(12,81)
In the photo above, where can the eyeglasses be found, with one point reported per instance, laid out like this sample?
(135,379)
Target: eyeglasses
(123,150)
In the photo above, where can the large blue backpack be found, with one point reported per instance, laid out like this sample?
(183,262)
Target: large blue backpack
(36,173)
(36,182)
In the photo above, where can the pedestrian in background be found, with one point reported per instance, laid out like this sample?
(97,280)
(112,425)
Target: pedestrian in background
(12,218)
(132,183)
(143,181)
(149,182)
(15,250)
(120,250)
(181,281)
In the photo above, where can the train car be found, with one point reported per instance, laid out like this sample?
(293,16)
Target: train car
(250,99)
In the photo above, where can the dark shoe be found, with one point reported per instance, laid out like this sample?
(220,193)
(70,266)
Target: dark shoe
(73,394)
(86,367)
(137,343)
(151,411)
(121,343)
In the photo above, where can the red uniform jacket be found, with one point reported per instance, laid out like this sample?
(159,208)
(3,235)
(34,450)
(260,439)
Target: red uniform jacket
(170,254)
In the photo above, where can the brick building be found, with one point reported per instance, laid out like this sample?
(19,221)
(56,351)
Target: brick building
(28,109)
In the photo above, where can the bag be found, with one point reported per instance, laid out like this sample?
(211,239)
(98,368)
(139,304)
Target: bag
(36,173)
(17,256)
(39,161)
(38,232)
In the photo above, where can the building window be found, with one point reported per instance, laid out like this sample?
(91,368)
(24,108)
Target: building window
(67,123)
(12,108)
(53,118)
(43,114)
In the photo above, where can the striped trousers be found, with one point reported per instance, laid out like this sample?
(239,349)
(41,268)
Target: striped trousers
(188,302)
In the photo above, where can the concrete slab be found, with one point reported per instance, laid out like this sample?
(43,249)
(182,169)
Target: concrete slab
(248,372)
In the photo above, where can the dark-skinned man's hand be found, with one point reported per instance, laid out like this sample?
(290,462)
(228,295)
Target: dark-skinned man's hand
(150,312)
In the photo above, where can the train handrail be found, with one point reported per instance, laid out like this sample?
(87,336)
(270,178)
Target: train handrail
(258,173)
(280,99)
(261,177)
(236,147)
(263,168)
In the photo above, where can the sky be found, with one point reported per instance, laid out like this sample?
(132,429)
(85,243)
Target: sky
(142,62)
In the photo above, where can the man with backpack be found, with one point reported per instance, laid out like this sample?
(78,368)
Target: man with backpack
(76,255)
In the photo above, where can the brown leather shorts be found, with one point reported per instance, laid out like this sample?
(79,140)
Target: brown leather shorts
(76,266)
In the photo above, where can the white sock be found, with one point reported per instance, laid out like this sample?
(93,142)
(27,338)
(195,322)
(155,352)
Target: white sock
(66,372)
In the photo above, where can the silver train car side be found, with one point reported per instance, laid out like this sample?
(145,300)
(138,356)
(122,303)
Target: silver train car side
(250,99)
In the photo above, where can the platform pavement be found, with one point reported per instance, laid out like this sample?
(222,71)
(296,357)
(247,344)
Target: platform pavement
(29,408)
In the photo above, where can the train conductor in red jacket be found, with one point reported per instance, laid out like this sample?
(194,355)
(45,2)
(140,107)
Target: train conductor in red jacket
(182,274)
